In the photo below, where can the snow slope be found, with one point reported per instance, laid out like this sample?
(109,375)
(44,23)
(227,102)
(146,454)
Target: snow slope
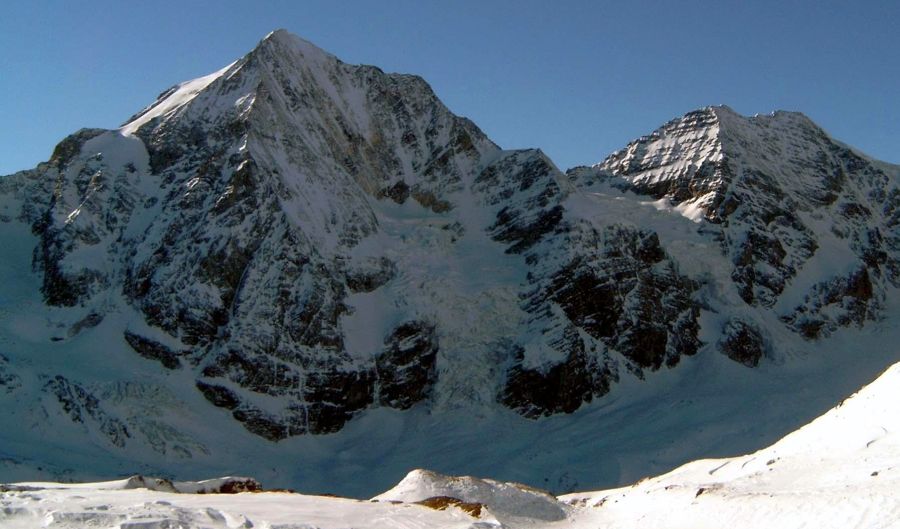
(840,471)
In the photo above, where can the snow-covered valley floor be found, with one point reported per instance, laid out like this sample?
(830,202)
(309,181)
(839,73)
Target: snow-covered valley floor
(841,471)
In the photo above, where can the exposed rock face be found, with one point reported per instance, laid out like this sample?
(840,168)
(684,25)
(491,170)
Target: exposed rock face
(619,293)
(308,239)
(839,302)
(558,388)
(84,408)
(153,350)
(406,368)
(742,343)
(592,292)
(630,295)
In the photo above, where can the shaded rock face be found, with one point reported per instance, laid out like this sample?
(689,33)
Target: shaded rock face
(839,302)
(309,239)
(406,368)
(560,388)
(593,292)
(85,409)
(632,298)
(400,376)
(61,287)
(526,186)
(743,343)
(370,275)
(620,295)
(153,350)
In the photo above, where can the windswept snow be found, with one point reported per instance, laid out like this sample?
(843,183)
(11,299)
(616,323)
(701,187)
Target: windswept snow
(77,507)
(842,471)
(171,100)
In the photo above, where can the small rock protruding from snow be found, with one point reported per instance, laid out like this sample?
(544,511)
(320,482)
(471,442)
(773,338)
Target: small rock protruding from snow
(501,499)
(155,484)
(225,485)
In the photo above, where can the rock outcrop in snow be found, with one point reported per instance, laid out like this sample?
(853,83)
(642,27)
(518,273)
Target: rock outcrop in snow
(503,500)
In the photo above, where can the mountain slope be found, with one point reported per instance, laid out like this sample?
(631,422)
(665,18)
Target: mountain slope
(267,204)
(841,470)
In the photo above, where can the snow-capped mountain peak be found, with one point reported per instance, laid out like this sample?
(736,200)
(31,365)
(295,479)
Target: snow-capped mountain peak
(294,246)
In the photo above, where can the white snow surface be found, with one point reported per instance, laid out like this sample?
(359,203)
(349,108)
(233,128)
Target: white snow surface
(840,471)
(171,100)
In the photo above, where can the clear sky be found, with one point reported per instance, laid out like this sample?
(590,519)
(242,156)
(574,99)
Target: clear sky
(578,79)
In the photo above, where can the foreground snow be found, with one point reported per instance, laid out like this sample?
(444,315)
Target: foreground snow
(839,471)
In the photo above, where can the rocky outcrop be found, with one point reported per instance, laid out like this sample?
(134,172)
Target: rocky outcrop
(630,296)
(743,343)
(84,408)
(405,370)
(153,350)
(621,295)
(839,302)
(558,387)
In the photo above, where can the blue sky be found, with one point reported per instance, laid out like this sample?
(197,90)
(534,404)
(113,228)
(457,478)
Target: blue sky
(578,79)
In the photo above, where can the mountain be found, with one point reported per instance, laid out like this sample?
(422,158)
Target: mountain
(840,471)
(808,224)
(297,259)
